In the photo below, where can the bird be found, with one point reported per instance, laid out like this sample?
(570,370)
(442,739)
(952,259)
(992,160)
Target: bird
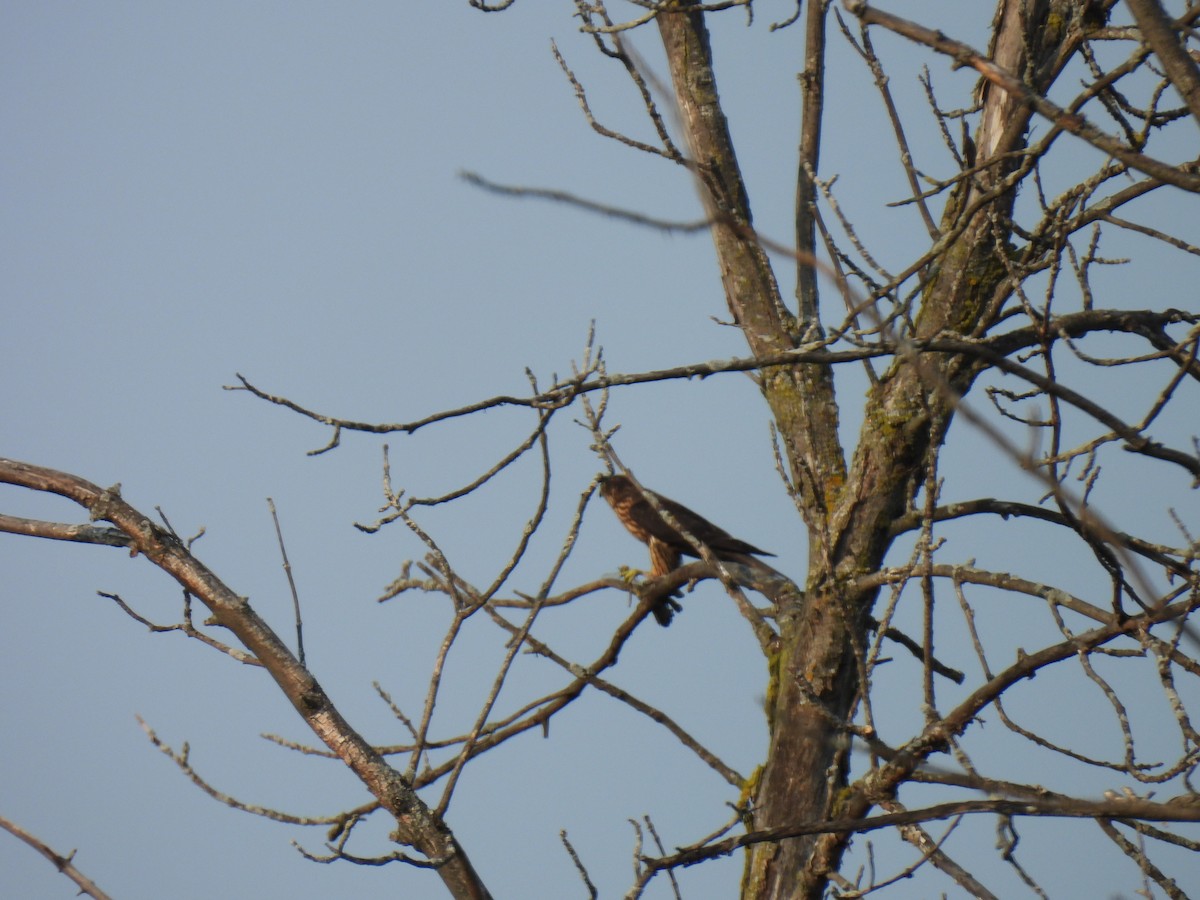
(667,542)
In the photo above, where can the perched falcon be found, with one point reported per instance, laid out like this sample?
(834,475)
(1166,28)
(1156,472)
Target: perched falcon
(666,542)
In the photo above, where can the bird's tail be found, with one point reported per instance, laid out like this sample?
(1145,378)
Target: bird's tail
(664,611)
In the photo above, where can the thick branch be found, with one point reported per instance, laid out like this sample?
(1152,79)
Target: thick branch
(1080,809)
(416,824)
(60,531)
(801,396)
(1163,37)
(1183,177)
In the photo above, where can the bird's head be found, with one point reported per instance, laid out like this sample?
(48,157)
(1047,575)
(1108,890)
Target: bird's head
(613,486)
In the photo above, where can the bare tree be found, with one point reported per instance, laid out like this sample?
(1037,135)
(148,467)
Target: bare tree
(1003,329)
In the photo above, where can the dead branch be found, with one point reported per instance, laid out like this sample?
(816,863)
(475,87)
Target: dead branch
(64,864)
(416,824)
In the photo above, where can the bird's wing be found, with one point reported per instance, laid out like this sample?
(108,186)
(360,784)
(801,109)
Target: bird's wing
(694,525)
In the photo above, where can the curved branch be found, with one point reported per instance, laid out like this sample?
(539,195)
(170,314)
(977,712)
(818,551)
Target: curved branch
(416,824)
(183,761)
(1054,807)
(1006,508)
(1149,323)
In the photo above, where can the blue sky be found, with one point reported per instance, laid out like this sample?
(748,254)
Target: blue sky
(272,189)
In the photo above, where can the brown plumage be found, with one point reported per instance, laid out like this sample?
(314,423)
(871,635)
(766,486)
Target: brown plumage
(667,545)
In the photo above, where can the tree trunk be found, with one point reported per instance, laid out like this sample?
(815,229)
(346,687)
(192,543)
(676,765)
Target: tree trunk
(814,670)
